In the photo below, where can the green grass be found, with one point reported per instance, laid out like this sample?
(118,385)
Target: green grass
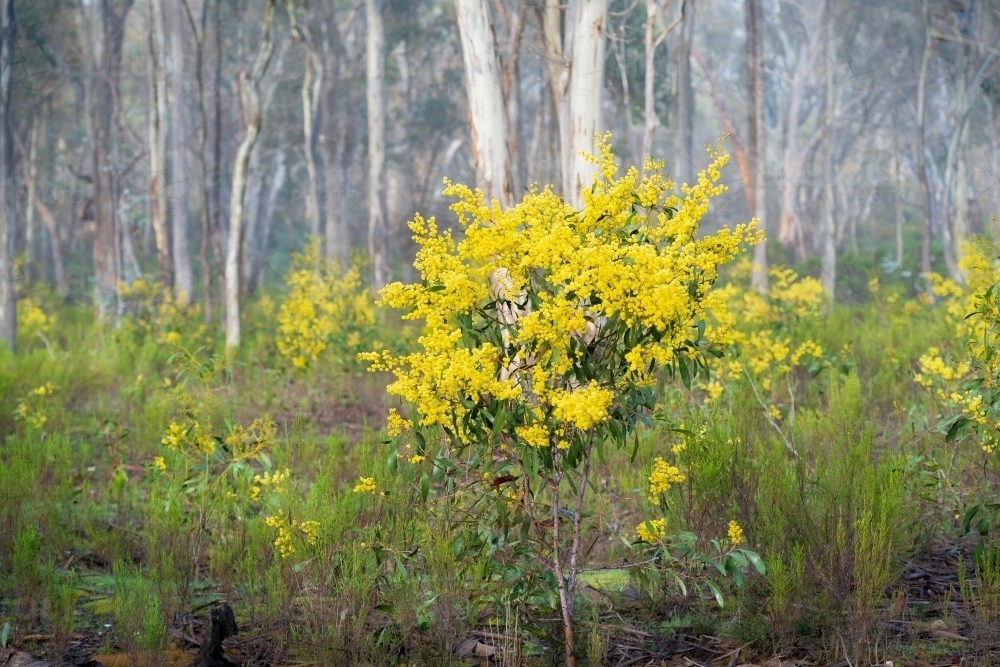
(93,531)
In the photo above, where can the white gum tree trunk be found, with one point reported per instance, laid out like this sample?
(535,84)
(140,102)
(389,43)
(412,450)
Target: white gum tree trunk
(586,88)
(487,115)
(158,140)
(8,294)
(378,246)
(248,85)
(178,165)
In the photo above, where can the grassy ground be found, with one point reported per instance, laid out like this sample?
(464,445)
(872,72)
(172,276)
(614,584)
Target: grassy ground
(141,481)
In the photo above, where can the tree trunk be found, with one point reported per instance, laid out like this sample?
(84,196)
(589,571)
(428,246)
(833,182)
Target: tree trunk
(101,32)
(8,286)
(199,31)
(897,195)
(158,140)
(178,164)
(311,86)
(919,148)
(684,125)
(31,173)
(789,224)
(586,94)
(487,117)
(378,246)
(267,218)
(248,85)
(829,264)
(756,141)
(38,205)
(332,145)
(651,43)
(559,70)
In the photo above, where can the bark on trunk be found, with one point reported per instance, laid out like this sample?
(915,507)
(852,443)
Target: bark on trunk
(311,86)
(756,140)
(789,224)
(178,164)
(248,84)
(559,70)
(199,30)
(8,287)
(829,264)
(586,94)
(684,127)
(925,191)
(652,41)
(29,210)
(378,246)
(158,141)
(487,117)
(49,220)
(101,32)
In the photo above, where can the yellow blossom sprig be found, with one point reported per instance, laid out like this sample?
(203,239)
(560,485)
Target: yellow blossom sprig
(287,530)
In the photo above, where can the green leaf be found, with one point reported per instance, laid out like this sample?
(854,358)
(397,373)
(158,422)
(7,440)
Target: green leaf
(957,429)
(716,592)
(755,560)
(425,486)
(393,462)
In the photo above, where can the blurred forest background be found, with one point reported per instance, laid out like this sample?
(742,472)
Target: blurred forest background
(874,136)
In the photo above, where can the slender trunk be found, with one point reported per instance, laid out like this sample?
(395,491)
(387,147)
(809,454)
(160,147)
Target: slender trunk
(829,265)
(789,224)
(29,209)
(311,86)
(251,225)
(101,31)
(488,122)
(378,246)
(756,144)
(559,69)
(684,127)
(206,198)
(8,288)
(216,177)
(248,85)
(178,164)
(512,99)
(650,120)
(49,220)
(267,218)
(921,144)
(586,93)
(897,195)
(961,208)
(158,141)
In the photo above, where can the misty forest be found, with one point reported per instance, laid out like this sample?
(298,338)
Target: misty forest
(499,332)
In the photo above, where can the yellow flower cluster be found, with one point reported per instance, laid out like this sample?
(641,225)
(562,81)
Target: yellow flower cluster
(735,534)
(659,529)
(550,281)
(190,439)
(31,318)
(396,423)
(323,309)
(275,481)
(247,443)
(31,410)
(286,530)
(149,307)
(662,478)
(365,485)
(933,366)
(583,407)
